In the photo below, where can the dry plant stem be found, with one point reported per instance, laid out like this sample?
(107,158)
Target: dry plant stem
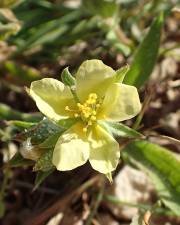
(96,205)
(122,37)
(170,139)
(62,203)
(144,108)
(4,183)
(143,207)
(6,171)
(146,218)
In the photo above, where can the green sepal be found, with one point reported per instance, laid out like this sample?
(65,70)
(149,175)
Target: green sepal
(67,78)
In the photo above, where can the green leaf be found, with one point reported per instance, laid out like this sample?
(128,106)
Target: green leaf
(121,73)
(146,55)
(7,113)
(18,161)
(21,124)
(40,177)
(44,129)
(162,167)
(67,78)
(120,130)
(22,72)
(44,163)
(67,123)
(51,141)
(101,7)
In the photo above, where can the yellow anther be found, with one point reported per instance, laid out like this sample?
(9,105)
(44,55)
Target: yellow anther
(85,129)
(93,118)
(90,101)
(67,108)
(79,105)
(87,110)
(76,115)
(94,113)
(93,96)
(86,115)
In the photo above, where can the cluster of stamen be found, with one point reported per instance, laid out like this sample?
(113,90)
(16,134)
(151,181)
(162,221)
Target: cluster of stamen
(87,111)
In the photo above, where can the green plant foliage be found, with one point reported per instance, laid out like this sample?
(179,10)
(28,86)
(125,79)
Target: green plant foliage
(43,130)
(146,55)
(19,161)
(162,167)
(44,163)
(120,130)
(21,125)
(7,113)
(101,7)
(41,176)
(24,73)
(67,78)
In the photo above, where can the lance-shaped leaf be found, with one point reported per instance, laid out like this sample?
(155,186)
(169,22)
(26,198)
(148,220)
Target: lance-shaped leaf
(162,167)
(40,133)
(41,176)
(7,113)
(120,130)
(44,163)
(146,55)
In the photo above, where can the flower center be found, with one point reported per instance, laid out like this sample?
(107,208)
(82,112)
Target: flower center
(88,110)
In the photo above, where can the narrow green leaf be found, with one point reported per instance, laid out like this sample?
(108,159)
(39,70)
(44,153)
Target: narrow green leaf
(44,163)
(21,124)
(40,177)
(18,161)
(120,130)
(67,78)
(7,113)
(162,167)
(51,141)
(22,72)
(44,129)
(101,7)
(146,55)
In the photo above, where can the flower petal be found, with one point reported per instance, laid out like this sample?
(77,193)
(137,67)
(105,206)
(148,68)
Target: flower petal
(93,76)
(51,97)
(120,103)
(72,149)
(104,153)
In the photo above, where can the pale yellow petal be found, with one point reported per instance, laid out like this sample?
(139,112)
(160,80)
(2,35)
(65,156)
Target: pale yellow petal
(120,103)
(104,153)
(51,97)
(93,76)
(72,149)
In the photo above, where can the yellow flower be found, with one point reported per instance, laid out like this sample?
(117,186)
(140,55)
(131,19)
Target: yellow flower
(100,98)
